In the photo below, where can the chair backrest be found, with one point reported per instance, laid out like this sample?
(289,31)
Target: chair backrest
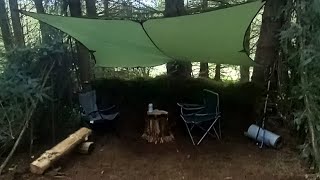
(211,101)
(87,101)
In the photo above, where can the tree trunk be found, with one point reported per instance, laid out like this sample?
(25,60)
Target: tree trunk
(204,67)
(204,4)
(174,8)
(244,70)
(16,23)
(244,73)
(91,8)
(217,75)
(204,70)
(177,68)
(83,53)
(64,7)
(5,28)
(268,44)
(106,8)
(43,27)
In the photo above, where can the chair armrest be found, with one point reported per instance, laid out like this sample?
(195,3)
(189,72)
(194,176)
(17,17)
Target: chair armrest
(93,114)
(108,109)
(190,108)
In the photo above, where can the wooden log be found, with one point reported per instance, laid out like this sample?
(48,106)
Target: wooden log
(50,156)
(86,147)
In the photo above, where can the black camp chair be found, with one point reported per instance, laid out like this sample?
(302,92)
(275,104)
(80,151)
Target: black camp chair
(90,111)
(196,115)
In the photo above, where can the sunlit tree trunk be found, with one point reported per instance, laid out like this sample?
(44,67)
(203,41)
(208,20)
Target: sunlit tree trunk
(16,23)
(83,53)
(44,29)
(217,75)
(177,68)
(268,44)
(5,28)
(204,67)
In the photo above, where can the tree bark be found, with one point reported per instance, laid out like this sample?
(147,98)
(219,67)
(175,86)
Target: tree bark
(16,23)
(106,8)
(91,8)
(204,4)
(204,70)
(83,53)
(217,76)
(204,67)
(43,27)
(174,8)
(177,68)
(5,28)
(268,44)
(244,70)
(244,73)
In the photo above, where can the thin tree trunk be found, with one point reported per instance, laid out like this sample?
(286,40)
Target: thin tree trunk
(106,8)
(44,29)
(16,23)
(217,76)
(204,70)
(83,53)
(91,8)
(268,44)
(64,7)
(244,70)
(244,73)
(174,8)
(204,4)
(5,28)
(204,67)
(177,68)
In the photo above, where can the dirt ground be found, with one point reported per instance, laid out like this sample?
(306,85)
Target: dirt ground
(125,155)
(122,158)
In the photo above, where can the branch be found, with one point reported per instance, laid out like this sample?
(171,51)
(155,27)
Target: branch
(7,117)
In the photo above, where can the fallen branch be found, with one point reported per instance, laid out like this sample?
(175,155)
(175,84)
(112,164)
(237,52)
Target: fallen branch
(4,164)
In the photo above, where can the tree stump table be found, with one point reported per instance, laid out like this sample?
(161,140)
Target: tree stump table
(156,127)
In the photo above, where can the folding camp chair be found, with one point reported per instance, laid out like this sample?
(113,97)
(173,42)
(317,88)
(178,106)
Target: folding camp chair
(90,109)
(196,115)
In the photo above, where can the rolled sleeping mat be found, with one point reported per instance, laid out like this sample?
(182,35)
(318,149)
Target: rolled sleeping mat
(269,138)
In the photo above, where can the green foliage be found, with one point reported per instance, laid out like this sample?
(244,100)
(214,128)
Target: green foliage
(301,43)
(23,85)
(122,73)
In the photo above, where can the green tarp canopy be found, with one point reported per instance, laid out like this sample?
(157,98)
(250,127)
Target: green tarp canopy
(215,37)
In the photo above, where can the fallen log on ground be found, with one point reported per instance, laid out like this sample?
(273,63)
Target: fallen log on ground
(50,156)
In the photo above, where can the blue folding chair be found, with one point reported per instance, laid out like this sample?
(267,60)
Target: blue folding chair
(90,109)
(196,115)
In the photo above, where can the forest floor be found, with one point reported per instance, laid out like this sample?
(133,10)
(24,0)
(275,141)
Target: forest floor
(125,155)
(120,157)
